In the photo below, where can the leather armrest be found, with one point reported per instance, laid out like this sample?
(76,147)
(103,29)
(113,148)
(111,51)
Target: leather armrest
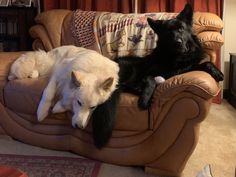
(42,39)
(52,21)
(6,59)
(197,82)
(195,85)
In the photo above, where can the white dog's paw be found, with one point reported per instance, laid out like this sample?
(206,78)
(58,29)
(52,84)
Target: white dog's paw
(11,77)
(34,74)
(41,115)
(42,111)
(58,108)
(159,79)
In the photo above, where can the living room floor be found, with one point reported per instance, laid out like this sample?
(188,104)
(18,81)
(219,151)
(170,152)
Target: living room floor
(216,146)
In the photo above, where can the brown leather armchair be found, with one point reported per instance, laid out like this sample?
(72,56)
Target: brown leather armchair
(161,138)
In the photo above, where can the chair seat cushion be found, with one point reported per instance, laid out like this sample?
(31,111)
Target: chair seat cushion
(23,96)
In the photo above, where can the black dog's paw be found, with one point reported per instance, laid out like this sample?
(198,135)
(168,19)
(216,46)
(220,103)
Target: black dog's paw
(213,71)
(145,98)
(218,76)
(144,103)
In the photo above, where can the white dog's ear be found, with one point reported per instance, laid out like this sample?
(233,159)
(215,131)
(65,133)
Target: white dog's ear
(76,78)
(107,83)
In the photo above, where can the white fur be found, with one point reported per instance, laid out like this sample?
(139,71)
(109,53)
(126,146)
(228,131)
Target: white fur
(159,79)
(59,63)
(39,63)
(30,64)
(94,70)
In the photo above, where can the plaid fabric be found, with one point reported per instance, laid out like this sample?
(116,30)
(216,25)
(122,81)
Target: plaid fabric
(82,28)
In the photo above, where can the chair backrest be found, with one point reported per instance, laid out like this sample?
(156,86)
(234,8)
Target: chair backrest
(92,30)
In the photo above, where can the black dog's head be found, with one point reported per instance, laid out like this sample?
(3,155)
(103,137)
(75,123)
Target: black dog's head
(175,35)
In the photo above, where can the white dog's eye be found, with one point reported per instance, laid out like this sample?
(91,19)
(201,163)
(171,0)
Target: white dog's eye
(93,107)
(80,104)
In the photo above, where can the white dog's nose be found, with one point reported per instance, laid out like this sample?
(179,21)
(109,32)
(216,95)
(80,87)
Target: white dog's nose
(78,122)
(75,125)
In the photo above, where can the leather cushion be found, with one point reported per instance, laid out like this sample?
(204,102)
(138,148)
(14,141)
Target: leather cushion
(23,96)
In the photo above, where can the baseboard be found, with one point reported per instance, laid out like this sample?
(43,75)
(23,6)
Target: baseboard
(226,94)
(230,97)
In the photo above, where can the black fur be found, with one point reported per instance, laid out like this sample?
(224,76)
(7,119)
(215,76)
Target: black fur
(178,51)
(103,120)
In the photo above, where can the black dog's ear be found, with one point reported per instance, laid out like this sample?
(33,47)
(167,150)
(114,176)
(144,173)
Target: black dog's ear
(155,24)
(186,14)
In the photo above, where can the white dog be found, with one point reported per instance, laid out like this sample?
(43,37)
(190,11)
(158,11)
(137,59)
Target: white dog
(82,79)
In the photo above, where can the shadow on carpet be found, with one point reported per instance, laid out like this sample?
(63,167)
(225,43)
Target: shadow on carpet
(48,166)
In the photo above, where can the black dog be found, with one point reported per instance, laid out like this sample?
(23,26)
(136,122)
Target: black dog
(178,51)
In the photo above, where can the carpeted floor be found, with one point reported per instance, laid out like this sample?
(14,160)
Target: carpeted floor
(51,166)
(217,143)
(217,147)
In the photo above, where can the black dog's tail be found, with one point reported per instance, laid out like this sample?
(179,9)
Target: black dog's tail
(103,120)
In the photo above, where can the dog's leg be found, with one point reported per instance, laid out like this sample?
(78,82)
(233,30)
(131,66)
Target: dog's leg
(58,108)
(149,85)
(103,119)
(211,69)
(134,88)
(46,99)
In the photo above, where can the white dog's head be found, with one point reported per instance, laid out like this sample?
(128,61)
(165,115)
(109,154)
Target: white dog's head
(89,92)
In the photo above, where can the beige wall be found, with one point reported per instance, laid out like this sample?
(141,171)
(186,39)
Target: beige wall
(229,33)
